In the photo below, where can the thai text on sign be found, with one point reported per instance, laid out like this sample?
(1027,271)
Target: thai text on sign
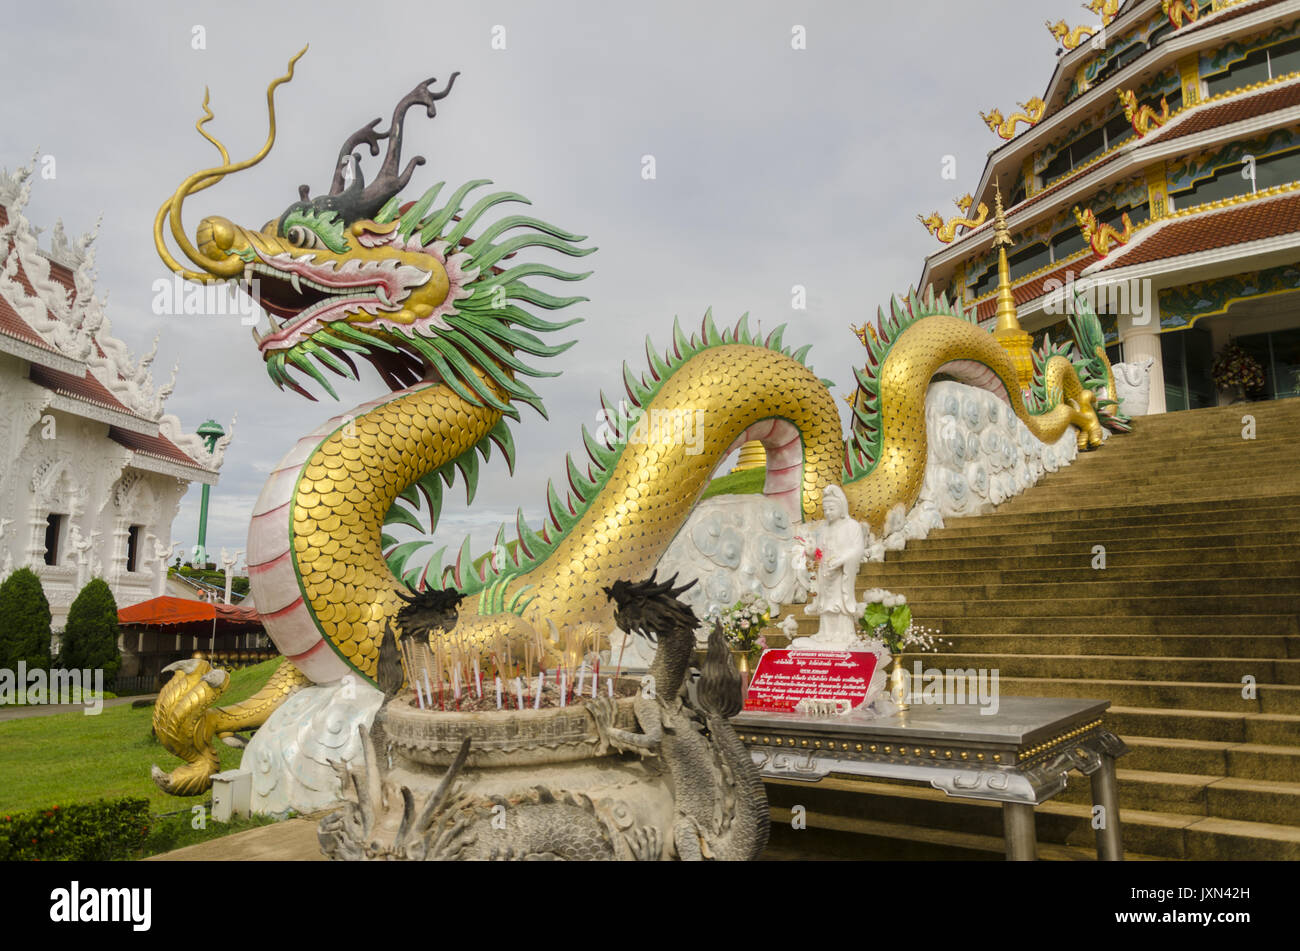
(784,677)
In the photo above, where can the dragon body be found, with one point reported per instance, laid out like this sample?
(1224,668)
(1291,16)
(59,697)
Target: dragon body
(1031,112)
(1100,235)
(947,231)
(1143,117)
(448,320)
(1068,38)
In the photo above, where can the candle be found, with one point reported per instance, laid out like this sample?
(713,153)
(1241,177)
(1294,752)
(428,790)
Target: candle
(427,690)
(498,692)
(541,681)
(595,677)
(582,678)
(478,679)
(519,691)
(563,686)
(455,682)
(609,687)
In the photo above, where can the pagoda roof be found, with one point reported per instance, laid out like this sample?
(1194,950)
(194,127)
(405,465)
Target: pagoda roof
(1223,225)
(1010,154)
(157,447)
(51,318)
(1272,98)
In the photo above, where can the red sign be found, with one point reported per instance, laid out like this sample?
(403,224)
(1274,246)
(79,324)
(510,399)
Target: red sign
(784,677)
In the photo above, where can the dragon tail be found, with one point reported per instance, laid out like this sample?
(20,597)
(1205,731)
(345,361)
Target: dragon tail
(186,722)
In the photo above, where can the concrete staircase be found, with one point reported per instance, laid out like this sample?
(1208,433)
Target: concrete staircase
(1201,589)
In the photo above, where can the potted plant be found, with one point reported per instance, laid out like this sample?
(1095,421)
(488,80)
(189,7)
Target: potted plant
(1235,368)
(888,620)
(742,625)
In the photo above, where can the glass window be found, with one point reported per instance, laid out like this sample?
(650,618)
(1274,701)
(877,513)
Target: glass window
(1029,259)
(1286,363)
(1252,69)
(1284,58)
(1118,130)
(1067,242)
(132,548)
(1057,166)
(1278,169)
(1087,147)
(53,537)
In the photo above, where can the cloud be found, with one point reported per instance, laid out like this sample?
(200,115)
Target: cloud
(775,167)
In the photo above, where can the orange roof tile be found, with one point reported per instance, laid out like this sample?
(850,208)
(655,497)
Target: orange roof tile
(1236,224)
(1233,110)
(85,388)
(158,446)
(1031,289)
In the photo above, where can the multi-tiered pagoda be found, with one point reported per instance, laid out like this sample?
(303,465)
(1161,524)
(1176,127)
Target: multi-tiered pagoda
(1160,173)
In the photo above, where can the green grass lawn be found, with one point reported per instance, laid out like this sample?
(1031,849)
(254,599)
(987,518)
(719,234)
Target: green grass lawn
(71,757)
(747,482)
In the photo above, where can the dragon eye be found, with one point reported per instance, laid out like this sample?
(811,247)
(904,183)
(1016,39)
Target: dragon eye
(301,237)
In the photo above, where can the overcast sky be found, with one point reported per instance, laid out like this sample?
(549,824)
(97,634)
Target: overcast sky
(775,167)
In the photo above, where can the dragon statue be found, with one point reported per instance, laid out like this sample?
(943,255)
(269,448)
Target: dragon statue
(1068,38)
(1100,235)
(1180,11)
(948,232)
(1006,127)
(1143,117)
(1106,9)
(435,295)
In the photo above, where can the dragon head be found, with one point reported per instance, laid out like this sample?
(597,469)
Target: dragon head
(356,273)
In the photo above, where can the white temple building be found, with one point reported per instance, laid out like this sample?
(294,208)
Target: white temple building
(92,469)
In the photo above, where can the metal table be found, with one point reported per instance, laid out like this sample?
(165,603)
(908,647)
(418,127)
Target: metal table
(1019,756)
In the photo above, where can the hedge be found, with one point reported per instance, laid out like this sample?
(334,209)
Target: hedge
(98,831)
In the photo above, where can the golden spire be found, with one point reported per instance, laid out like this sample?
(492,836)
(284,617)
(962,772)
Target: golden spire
(1007,330)
(1006,313)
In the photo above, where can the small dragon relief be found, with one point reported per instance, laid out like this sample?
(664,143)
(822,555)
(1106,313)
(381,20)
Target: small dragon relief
(720,806)
(1143,117)
(1068,38)
(1006,127)
(1100,235)
(1180,10)
(1106,9)
(947,232)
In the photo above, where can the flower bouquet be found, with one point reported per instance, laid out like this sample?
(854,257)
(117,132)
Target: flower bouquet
(744,621)
(1236,367)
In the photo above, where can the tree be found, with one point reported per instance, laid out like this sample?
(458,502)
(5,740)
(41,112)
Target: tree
(90,636)
(24,621)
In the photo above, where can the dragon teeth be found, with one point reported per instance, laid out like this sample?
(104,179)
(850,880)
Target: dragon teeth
(382,293)
(296,282)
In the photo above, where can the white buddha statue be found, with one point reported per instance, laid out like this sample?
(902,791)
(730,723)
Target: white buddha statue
(835,603)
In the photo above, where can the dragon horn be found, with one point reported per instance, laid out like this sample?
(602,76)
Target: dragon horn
(213,270)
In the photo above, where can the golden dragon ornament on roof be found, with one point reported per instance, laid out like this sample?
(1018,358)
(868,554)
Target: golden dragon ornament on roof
(439,294)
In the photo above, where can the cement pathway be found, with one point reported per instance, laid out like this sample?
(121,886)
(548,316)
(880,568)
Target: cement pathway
(23,711)
(293,840)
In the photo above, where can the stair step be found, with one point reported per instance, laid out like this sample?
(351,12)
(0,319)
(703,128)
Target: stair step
(1100,584)
(1128,645)
(1216,725)
(1078,570)
(1223,670)
(1047,626)
(1270,698)
(1238,605)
